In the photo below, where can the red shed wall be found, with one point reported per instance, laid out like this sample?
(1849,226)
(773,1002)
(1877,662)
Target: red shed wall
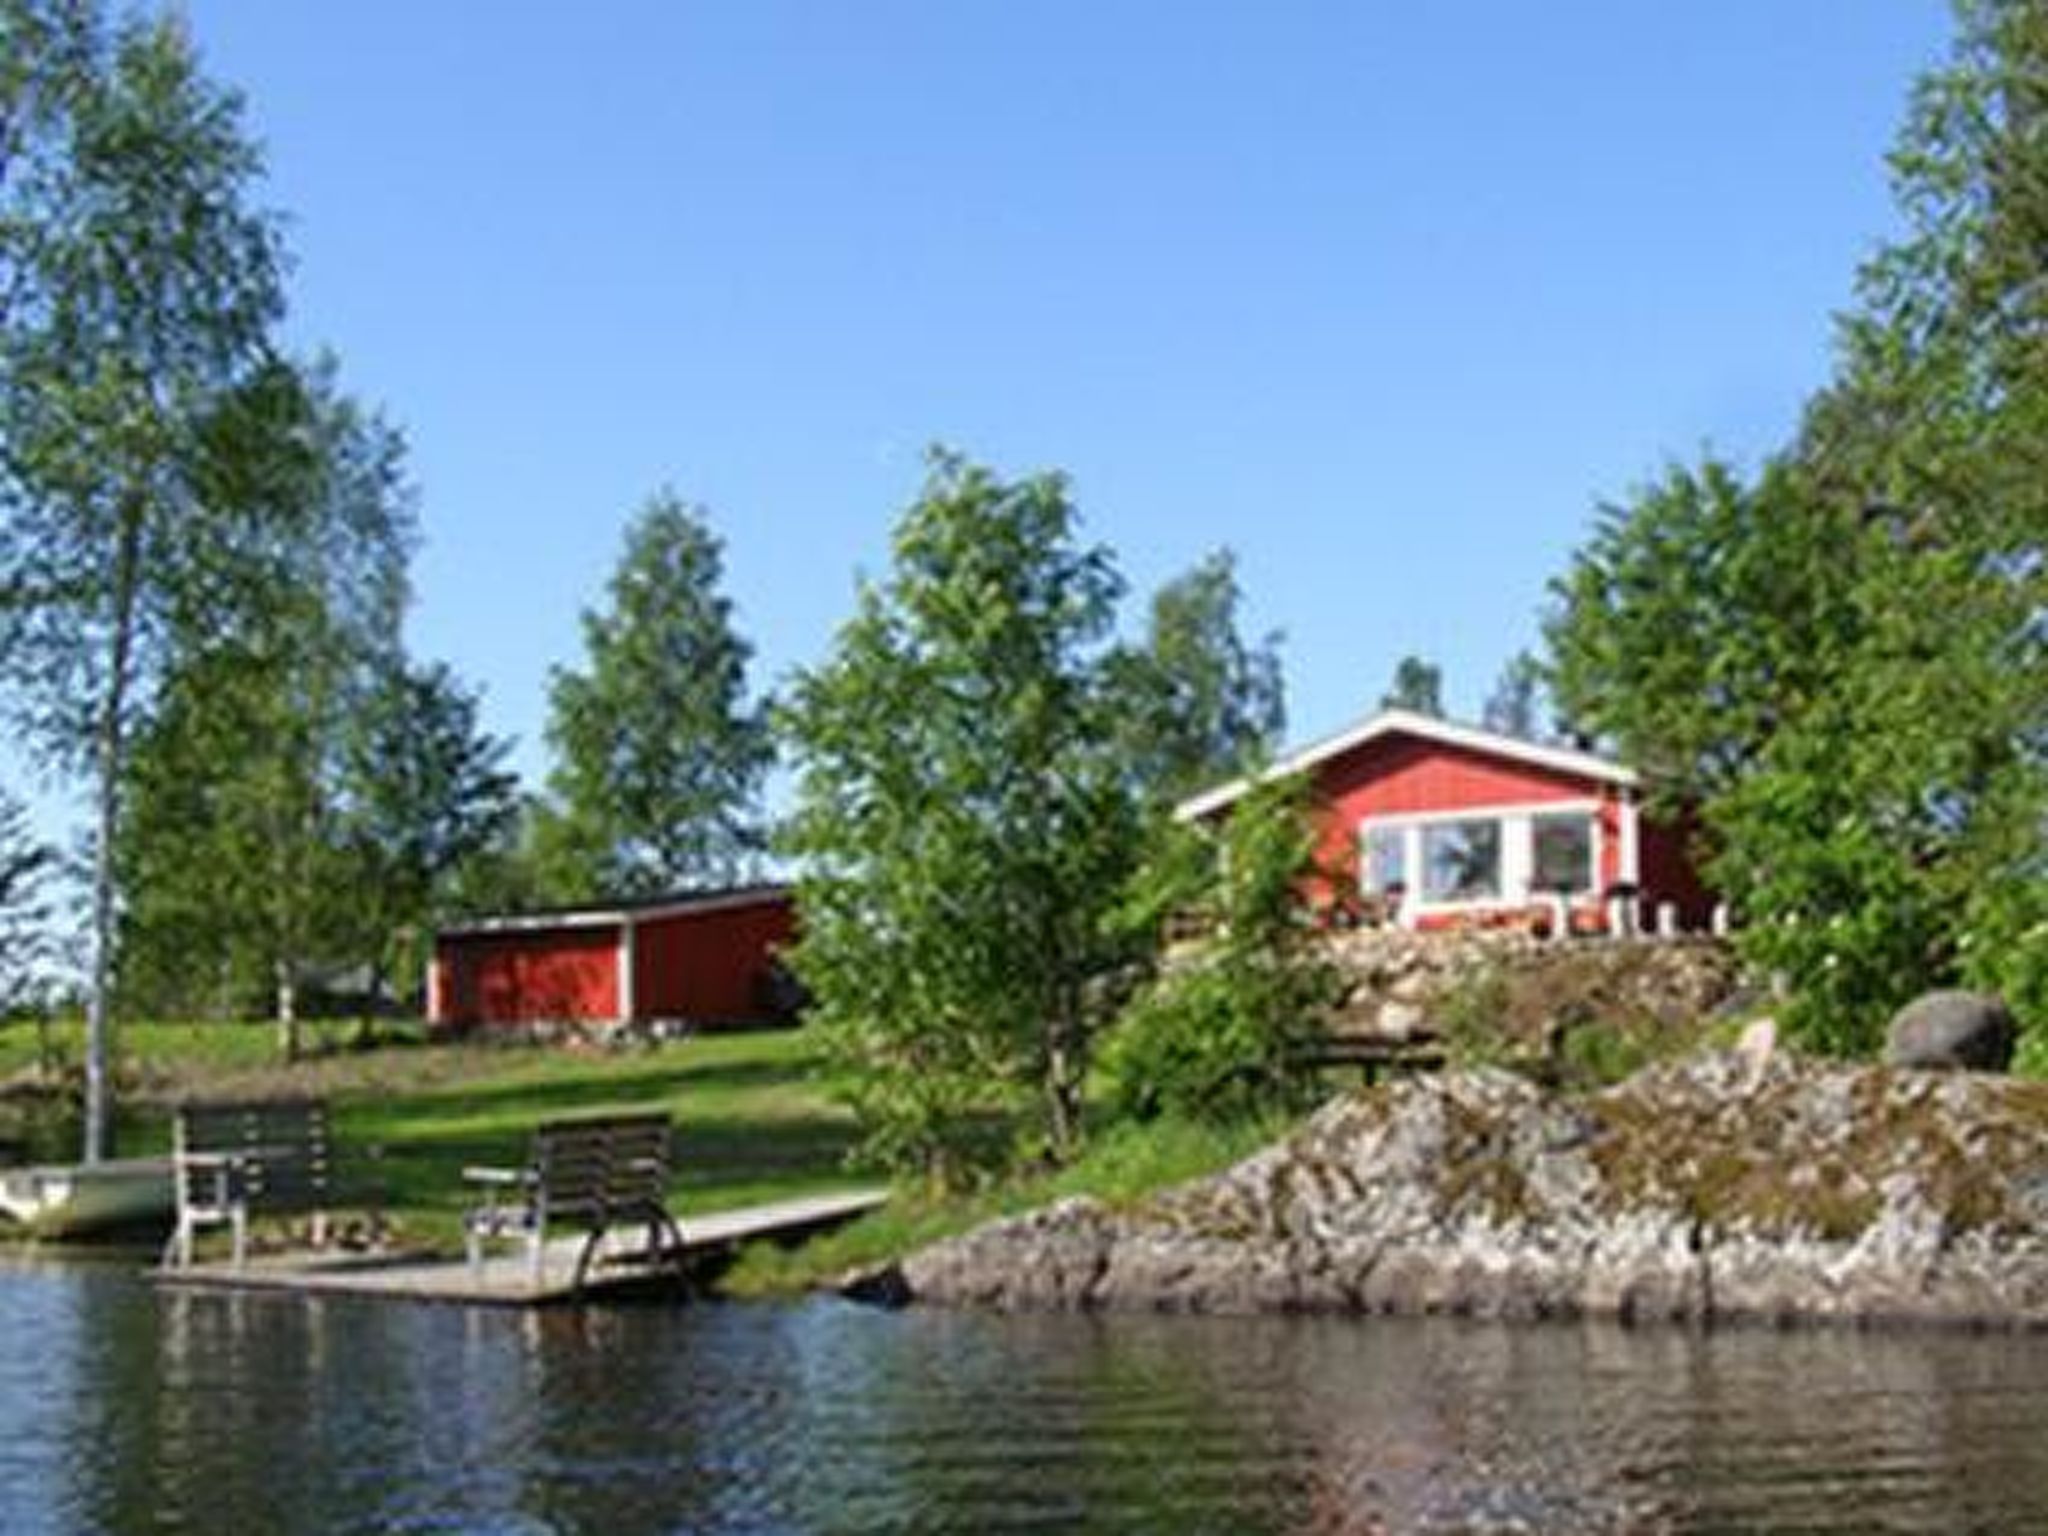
(550,975)
(709,967)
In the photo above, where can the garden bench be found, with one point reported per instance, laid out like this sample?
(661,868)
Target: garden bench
(256,1157)
(595,1174)
(1371,1057)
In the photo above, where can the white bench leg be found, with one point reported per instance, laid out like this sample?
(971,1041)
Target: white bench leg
(240,1220)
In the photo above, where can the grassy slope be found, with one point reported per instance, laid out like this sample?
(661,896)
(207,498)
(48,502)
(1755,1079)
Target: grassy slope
(1122,1164)
(754,1120)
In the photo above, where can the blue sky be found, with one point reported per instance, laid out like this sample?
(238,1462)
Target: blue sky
(1385,296)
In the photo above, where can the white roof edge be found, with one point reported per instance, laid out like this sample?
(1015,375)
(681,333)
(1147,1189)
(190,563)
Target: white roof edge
(608,917)
(1390,722)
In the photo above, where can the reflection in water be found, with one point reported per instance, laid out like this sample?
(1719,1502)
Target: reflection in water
(125,1411)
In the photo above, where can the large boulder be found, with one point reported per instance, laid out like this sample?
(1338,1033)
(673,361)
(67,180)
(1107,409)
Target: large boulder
(1952,1029)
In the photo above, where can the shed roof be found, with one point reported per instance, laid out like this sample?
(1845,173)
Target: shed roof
(1406,722)
(609,914)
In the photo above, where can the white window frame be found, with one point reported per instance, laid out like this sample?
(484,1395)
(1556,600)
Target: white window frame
(1517,853)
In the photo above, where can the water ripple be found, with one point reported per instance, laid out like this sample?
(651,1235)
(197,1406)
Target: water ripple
(123,1411)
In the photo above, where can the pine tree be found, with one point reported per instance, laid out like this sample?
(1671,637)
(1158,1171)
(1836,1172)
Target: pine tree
(1418,686)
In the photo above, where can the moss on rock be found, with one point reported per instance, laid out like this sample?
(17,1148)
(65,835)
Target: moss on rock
(1711,1187)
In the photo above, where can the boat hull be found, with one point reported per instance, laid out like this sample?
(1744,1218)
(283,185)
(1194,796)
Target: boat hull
(88,1200)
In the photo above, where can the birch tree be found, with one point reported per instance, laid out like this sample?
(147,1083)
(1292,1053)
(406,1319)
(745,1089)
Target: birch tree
(138,286)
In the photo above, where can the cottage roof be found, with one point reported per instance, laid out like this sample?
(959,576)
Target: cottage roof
(609,914)
(1405,722)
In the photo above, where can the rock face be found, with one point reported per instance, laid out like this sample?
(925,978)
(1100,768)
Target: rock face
(1401,985)
(1952,1029)
(1714,1188)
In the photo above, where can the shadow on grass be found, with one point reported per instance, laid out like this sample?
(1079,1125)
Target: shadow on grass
(524,1103)
(725,1151)
(682,1085)
(421,1166)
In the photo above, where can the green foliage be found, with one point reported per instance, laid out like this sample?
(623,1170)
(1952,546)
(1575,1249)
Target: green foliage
(1702,615)
(252,814)
(1199,703)
(1844,662)
(1472,1017)
(659,755)
(2031,1059)
(1418,685)
(26,863)
(426,796)
(963,823)
(1216,1033)
(138,288)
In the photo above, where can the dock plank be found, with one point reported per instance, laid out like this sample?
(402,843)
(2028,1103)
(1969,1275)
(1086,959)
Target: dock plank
(507,1279)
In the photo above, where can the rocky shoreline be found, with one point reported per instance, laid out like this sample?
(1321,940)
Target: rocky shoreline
(1723,1187)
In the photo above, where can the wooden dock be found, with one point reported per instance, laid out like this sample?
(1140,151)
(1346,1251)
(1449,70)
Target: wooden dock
(506,1277)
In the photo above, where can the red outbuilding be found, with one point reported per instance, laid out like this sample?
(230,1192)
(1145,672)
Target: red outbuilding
(703,958)
(1447,824)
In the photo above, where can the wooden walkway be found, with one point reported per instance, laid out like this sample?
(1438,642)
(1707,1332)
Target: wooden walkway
(506,1278)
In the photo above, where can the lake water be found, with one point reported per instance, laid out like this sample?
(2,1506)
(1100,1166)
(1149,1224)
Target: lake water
(124,1411)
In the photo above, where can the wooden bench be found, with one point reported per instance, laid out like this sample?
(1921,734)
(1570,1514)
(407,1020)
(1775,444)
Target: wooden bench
(255,1157)
(1372,1058)
(594,1174)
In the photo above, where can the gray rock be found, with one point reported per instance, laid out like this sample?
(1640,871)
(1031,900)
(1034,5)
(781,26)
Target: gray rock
(1952,1029)
(1718,1187)
(1398,1020)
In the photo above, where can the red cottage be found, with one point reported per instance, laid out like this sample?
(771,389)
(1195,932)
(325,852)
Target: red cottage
(1448,824)
(699,958)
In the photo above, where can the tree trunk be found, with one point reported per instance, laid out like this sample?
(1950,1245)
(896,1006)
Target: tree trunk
(1063,1081)
(108,753)
(287,1011)
(366,1028)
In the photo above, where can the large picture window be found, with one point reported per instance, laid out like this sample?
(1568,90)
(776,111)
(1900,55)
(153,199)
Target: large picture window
(1461,860)
(1561,853)
(1492,857)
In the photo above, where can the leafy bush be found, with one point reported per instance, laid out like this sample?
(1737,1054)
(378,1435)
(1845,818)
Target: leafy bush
(1216,1034)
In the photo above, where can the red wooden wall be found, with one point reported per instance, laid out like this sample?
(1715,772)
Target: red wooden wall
(707,967)
(555,974)
(710,967)
(1402,775)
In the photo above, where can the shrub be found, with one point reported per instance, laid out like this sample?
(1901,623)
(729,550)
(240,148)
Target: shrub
(1216,1034)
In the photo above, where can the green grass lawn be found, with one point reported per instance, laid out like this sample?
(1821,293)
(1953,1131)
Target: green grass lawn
(754,1121)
